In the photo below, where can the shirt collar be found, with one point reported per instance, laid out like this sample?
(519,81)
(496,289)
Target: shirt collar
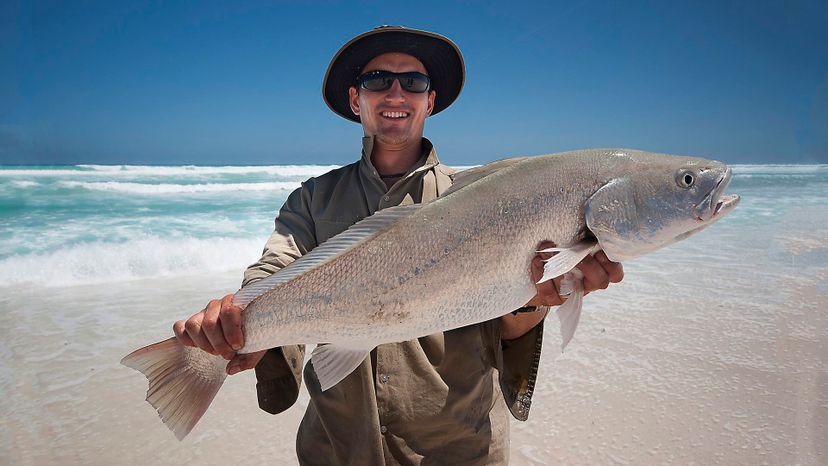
(427,160)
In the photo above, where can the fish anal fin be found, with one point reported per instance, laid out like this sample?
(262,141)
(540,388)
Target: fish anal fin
(334,362)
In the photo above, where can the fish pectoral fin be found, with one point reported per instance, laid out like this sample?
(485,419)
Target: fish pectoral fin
(333,363)
(569,313)
(566,259)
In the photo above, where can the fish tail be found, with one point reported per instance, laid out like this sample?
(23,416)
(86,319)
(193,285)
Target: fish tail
(182,381)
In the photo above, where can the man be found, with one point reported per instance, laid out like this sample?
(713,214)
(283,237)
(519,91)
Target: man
(442,398)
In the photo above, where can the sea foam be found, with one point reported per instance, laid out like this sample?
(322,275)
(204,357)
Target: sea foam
(299,171)
(149,257)
(173,188)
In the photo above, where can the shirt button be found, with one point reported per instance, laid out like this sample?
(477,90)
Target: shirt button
(384,378)
(386,198)
(383,429)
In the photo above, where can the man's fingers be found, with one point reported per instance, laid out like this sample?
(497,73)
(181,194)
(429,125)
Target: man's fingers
(194,331)
(243,362)
(213,329)
(537,268)
(181,333)
(546,292)
(595,278)
(230,318)
(598,273)
(614,270)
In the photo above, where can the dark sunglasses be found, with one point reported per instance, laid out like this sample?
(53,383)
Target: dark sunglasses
(411,81)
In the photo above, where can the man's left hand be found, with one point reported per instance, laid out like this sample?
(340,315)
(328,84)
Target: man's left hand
(598,272)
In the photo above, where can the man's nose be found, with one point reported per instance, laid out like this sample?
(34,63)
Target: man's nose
(395,93)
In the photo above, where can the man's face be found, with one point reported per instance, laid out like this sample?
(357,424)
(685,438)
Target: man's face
(393,116)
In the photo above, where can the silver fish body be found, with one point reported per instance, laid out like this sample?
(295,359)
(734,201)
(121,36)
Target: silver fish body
(464,258)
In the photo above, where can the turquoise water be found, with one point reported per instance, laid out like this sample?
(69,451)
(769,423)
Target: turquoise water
(101,223)
(66,225)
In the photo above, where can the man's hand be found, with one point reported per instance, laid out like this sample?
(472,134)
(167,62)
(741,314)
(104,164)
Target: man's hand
(216,329)
(598,272)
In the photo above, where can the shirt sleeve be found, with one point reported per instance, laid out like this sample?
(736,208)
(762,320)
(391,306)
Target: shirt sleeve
(517,364)
(293,236)
(279,373)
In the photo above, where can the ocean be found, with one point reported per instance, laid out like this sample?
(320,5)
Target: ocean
(713,351)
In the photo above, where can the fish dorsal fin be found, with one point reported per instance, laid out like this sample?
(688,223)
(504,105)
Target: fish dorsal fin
(466,177)
(327,251)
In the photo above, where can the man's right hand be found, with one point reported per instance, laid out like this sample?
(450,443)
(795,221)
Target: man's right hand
(216,329)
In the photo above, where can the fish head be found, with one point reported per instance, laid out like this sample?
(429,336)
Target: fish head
(657,200)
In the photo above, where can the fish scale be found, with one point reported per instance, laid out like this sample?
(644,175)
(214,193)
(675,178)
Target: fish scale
(428,302)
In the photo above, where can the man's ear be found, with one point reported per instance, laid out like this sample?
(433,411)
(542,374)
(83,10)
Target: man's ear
(432,94)
(353,99)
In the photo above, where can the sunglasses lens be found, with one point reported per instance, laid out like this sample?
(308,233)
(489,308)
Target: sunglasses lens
(414,83)
(377,83)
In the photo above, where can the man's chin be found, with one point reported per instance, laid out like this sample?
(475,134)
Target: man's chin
(392,138)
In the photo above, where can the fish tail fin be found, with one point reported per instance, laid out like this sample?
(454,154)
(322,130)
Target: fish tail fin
(182,381)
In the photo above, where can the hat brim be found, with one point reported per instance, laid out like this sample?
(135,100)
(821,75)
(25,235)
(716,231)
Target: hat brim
(440,56)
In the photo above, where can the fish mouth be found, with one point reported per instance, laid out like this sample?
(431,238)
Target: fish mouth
(717,204)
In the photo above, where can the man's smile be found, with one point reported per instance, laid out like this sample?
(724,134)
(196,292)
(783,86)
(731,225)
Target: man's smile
(394,115)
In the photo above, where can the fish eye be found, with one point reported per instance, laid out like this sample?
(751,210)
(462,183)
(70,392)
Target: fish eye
(686,179)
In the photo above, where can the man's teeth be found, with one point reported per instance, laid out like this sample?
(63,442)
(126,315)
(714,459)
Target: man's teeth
(394,114)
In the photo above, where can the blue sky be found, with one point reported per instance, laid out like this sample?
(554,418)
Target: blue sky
(239,82)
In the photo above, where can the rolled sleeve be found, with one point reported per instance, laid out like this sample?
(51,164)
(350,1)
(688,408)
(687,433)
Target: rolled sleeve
(517,364)
(279,377)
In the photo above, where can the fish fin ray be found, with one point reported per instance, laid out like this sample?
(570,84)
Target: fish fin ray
(182,381)
(550,250)
(464,178)
(327,251)
(332,363)
(567,259)
(569,313)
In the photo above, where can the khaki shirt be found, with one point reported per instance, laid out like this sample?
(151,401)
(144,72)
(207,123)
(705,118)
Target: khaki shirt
(438,399)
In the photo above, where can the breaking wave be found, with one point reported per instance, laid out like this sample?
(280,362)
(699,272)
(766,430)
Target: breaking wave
(298,171)
(171,188)
(150,257)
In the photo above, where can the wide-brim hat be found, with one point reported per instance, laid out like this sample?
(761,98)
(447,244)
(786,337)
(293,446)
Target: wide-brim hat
(440,56)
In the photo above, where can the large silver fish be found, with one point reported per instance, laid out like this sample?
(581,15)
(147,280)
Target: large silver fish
(463,258)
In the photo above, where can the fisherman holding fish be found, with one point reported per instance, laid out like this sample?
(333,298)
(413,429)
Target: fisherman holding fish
(442,398)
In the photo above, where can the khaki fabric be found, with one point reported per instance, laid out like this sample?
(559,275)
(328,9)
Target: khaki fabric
(440,399)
